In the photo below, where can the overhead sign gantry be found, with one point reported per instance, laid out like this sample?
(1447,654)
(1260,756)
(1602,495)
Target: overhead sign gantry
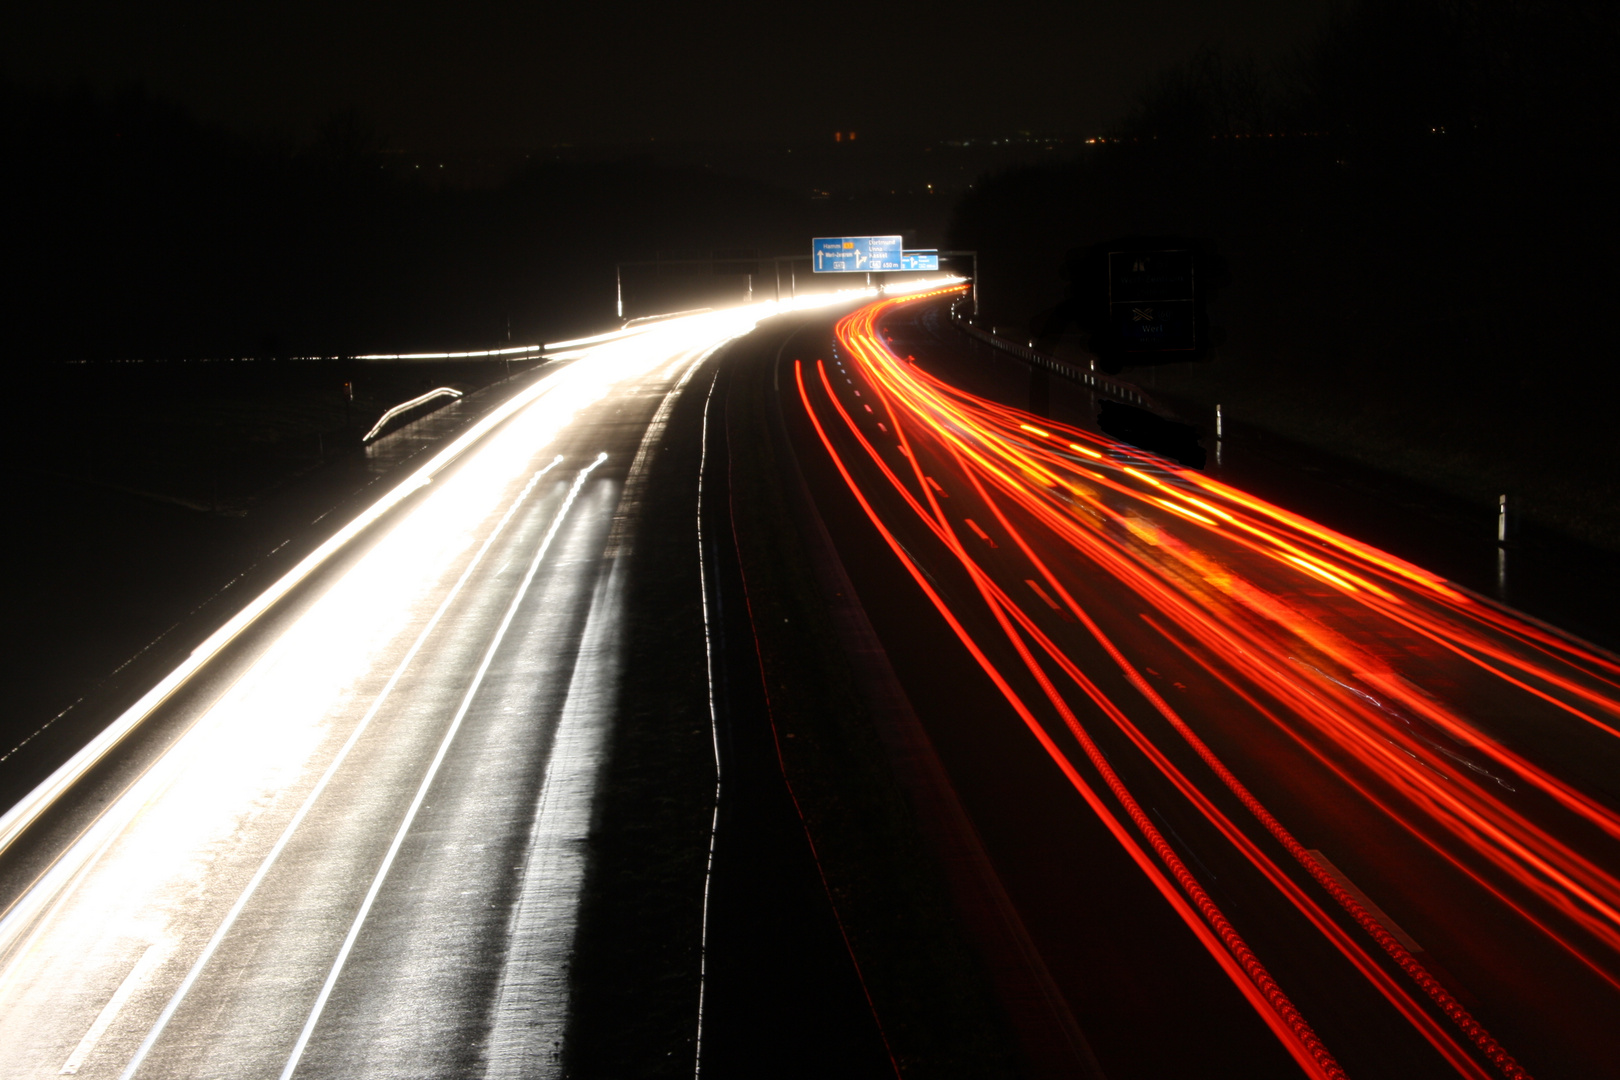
(855,254)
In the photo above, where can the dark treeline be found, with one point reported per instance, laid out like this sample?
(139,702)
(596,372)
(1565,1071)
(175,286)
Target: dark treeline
(1416,228)
(1388,68)
(133,230)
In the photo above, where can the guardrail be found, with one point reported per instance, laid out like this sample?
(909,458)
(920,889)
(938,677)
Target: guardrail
(1106,384)
(515,352)
(407,406)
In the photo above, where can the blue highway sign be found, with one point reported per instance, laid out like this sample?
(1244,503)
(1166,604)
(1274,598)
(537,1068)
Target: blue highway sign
(919,260)
(855,254)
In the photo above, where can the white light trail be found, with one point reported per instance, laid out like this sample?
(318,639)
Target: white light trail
(173,859)
(326,777)
(432,771)
(661,339)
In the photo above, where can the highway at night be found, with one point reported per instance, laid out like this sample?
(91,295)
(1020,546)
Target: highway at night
(1045,541)
(1377,808)
(264,867)
(1216,790)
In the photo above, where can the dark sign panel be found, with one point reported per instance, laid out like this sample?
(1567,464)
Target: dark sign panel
(1156,325)
(1151,301)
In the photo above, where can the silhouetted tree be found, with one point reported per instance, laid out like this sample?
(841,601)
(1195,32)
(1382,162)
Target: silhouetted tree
(1212,93)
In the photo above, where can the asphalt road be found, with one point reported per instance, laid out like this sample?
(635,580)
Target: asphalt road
(348,836)
(1240,795)
(1265,799)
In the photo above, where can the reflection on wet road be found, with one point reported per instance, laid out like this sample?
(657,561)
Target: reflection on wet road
(347,834)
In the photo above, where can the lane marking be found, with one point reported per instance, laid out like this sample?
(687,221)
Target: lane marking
(974,525)
(529,1017)
(28,809)
(231,916)
(531,1011)
(714,732)
(150,959)
(1366,903)
(432,772)
(1040,592)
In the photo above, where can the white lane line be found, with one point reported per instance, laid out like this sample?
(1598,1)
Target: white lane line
(635,483)
(530,1016)
(714,731)
(432,771)
(150,959)
(14,821)
(320,785)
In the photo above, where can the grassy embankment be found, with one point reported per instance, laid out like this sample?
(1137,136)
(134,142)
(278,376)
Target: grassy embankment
(214,435)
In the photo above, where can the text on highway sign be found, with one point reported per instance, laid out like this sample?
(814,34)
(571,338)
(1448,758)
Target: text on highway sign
(855,254)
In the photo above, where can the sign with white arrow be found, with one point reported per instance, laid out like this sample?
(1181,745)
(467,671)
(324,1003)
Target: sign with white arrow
(855,254)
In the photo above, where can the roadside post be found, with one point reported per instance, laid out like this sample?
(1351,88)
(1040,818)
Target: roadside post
(974,276)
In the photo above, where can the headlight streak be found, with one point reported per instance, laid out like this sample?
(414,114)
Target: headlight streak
(1234,626)
(612,354)
(139,871)
(314,795)
(427,778)
(20,816)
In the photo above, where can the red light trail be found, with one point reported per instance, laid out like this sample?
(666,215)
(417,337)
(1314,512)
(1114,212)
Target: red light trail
(1315,636)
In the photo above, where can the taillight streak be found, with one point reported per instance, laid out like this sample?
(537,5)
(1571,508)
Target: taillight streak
(1239,631)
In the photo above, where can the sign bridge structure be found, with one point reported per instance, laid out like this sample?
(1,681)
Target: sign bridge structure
(855,254)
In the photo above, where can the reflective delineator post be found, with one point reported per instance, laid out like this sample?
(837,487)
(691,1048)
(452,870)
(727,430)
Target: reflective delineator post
(1504,531)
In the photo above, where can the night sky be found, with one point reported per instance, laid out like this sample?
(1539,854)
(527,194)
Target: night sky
(479,75)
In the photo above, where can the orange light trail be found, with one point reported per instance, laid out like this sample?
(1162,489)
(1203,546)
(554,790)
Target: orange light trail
(1285,634)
